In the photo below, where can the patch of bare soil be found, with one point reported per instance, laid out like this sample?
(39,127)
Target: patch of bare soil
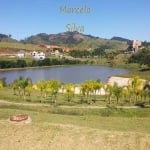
(49,136)
(9,51)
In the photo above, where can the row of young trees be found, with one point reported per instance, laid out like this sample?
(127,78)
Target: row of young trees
(137,90)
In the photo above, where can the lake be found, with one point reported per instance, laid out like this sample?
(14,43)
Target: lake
(65,74)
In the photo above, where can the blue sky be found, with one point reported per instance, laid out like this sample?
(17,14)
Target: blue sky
(108,18)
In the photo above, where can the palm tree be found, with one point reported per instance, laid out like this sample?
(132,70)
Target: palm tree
(28,90)
(82,92)
(146,90)
(25,83)
(17,84)
(21,84)
(1,84)
(136,85)
(14,85)
(127,93)
(41,85)
(96,87)
(108,91)
(130,92)
(69,88)
(87,89)
(117,91)
(53,87)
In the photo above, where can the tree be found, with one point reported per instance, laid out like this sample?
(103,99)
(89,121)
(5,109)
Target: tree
(96,87)
(100,52)
(21,84)
(87,89)
(141,57)
(146,90)
(3,80)
(26,83)
(110,55)
(109,92)
(127,92)
(28,90)
(69,91)
(41,85)
(17,85)
(1,84)
(21,63)
(117,91)
(136,85)
(53,87)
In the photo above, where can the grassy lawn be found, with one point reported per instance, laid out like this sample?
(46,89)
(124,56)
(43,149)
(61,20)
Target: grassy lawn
(106,119)
(71,131)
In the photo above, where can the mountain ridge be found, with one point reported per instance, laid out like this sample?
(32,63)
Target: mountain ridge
(73,40)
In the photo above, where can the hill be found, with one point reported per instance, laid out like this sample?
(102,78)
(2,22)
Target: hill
(6,38)
(121,39)
(75,40)
(71,40)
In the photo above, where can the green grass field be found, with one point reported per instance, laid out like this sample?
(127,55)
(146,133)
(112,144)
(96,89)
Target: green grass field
(71,131)
(71,128)
(117,120)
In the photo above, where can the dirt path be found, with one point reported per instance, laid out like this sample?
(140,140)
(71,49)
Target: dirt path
(63,106)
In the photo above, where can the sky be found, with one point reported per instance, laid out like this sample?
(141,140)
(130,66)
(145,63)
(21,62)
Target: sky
(107,18)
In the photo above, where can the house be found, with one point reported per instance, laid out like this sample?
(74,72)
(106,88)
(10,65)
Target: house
(38,55)
(52,48)
(21,54)
(56,52)
(136,45)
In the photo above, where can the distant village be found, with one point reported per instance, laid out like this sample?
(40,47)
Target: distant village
(61,52)
(55,50)
(40,55)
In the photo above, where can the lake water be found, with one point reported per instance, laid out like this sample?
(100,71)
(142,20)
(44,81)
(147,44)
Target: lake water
(65,74)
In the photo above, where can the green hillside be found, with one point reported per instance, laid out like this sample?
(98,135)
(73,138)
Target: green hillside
(75,40)
(18,45)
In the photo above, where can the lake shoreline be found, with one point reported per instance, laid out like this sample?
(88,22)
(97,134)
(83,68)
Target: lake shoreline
(53,66)
(64,73)
(25,68)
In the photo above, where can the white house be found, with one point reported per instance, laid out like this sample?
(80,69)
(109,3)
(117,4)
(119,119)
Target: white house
(38,55)
(21,54)
(56,52)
